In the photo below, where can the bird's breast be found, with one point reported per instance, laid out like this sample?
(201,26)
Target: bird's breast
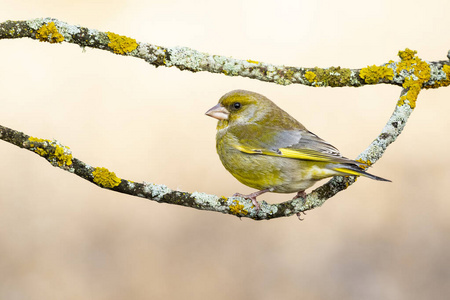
(282,175)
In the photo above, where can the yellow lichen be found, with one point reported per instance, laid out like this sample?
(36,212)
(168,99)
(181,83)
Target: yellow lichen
(237,208)
(332,76)
(289,74)
(253,61)
(49,33)
(105,178)
(37,140)
(62,157)
(446,69)
(372,74)
(41,151)
(344,74)
(310,76)
(367,163)
(418,73)
(52,151)
(406,55)
(121,44)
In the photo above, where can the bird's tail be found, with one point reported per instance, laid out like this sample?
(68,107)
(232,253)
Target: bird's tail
(353,169)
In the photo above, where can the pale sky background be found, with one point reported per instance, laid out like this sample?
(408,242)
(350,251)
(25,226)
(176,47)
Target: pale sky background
(64,238)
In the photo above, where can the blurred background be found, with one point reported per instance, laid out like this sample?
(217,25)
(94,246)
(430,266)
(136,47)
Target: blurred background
(64,238)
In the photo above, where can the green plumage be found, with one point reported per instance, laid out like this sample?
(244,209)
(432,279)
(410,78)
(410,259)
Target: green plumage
(265,148)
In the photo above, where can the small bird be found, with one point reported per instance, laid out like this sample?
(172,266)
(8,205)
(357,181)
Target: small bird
(265,148)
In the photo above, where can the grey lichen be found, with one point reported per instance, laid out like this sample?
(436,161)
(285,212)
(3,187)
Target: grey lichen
(436,74)
(98,37)
(268,209)
(231,68)
(67,30)
(288,212)
(389,133)
(205,199)
(157,191)
(149,52)
(311,200)
(131,184)
(186,58)
(36,23)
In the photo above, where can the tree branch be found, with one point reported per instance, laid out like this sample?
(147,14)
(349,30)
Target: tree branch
(183,58)
(61,156)
(411,72)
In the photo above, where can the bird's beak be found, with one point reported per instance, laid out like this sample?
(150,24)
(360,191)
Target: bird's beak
(219,112)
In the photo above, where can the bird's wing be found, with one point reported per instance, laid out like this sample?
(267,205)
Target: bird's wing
(298,144)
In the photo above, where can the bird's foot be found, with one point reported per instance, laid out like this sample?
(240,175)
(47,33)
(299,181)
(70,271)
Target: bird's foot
(254,202)
(252,197)
(299,215)
(300,194)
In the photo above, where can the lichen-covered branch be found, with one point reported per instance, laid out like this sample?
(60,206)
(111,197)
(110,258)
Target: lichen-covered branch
(55,31)
(411,73)
(376,149)
(61,156)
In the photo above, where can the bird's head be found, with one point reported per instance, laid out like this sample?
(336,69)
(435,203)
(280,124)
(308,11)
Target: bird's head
(240,106)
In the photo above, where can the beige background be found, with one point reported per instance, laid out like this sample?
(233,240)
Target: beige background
(64,238)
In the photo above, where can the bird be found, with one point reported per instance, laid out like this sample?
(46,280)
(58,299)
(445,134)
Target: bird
(267,149)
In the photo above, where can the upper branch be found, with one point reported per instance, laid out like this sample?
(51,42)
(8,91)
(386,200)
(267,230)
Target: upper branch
(183,58)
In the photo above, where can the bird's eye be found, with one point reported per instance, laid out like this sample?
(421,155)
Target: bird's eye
(237,105)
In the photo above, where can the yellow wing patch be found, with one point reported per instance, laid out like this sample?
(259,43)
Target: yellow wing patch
(347,171)
(305,154)
(247,150)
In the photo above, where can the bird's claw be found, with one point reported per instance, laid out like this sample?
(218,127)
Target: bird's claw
(250,197)
(256,204)
(300,194)
(299,215)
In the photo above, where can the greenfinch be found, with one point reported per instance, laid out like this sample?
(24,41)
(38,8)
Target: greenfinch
(265,148)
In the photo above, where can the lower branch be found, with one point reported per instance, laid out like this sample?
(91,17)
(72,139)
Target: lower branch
(61,157)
